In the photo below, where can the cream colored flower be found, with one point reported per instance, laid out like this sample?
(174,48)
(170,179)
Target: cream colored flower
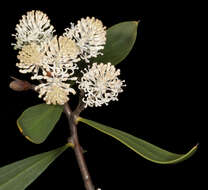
(53,60)
(33,27)
(61,51)
(60,58)
(52,64)
(54,91)
(90,36)
(101,84)
(31,59)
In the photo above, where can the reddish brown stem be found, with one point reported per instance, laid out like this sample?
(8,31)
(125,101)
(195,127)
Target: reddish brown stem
(78,149)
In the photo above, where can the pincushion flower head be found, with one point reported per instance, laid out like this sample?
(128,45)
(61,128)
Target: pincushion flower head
(30,58)
(33,27)
(61,51)
(101,84)
(90,36)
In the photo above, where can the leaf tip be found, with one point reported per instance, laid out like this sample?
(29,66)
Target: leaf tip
(28,138)
(196,146)
(20,129)
(137,22)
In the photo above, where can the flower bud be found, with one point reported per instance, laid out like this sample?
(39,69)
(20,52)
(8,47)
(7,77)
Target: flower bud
(20,85)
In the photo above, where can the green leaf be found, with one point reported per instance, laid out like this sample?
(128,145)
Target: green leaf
(20,174)
(120,40)
(141,147)
(38,121)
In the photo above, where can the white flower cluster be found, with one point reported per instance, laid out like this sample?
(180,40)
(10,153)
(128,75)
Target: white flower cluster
(54,64)
(101,84)
(53,60)
(90,36)
(33,27)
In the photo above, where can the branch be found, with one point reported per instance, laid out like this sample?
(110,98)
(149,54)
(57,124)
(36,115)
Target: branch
(77,148)
(81,105)
(22,85)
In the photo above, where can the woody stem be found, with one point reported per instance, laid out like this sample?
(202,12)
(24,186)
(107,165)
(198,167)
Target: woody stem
(77,148)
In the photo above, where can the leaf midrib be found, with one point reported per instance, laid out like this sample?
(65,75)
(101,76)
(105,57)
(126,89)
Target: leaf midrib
(175,160)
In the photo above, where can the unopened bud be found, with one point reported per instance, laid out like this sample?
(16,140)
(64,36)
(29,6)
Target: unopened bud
(20,85)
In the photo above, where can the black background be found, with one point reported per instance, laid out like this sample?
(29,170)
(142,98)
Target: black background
(162,103)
